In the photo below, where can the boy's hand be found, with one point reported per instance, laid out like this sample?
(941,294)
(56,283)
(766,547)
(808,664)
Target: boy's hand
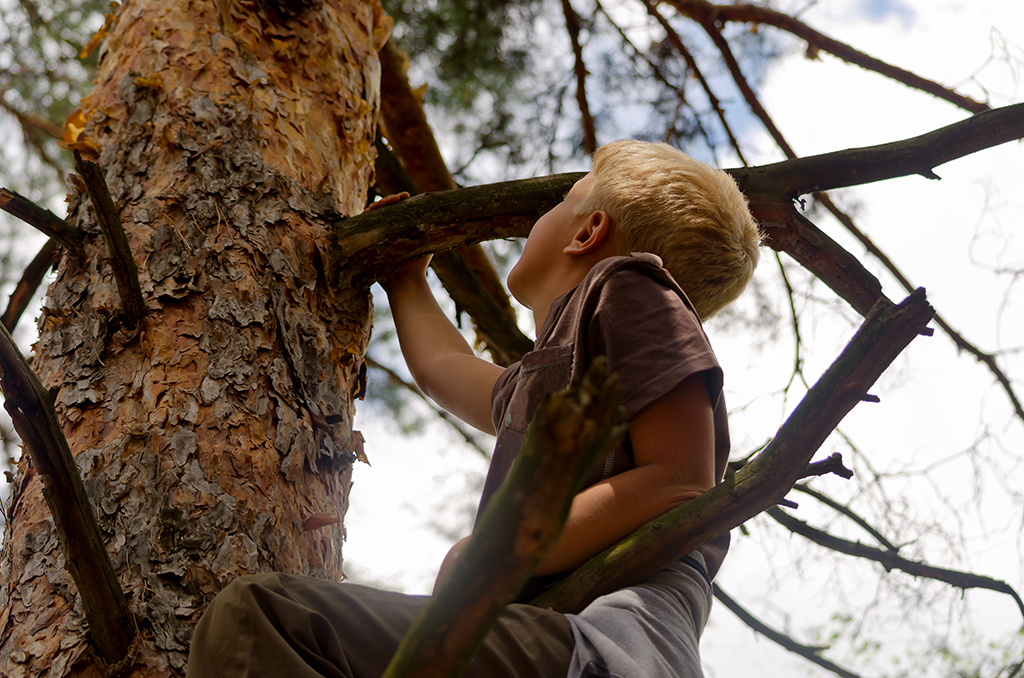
(387,200)
(442,363)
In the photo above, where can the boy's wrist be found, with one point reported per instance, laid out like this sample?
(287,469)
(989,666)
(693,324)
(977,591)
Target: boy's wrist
(408,274)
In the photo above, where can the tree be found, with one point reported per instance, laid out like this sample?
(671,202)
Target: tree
(214,431)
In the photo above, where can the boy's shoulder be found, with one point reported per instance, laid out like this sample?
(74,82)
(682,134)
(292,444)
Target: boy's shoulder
(639,276)
(629,292)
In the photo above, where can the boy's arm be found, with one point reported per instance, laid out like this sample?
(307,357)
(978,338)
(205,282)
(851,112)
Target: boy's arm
(674,452)
(439,358)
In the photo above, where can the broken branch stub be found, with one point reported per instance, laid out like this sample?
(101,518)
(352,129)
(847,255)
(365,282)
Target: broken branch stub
(119,254)
(570,432)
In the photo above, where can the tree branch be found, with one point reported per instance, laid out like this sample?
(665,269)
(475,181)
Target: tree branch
(572,24)
(812,654)
(126,273)
(701,11)
(988,359)
(494,323)
(788,231)
(466,274)
(29,283)
(831,464)
(857,166)
(570,431)
(763,482)
(439,221)
(110,620)
(890,560)
(43,220)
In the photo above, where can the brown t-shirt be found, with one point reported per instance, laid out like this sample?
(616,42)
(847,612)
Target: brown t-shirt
(632,311)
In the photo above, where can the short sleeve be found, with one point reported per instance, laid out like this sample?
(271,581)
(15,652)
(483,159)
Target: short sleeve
(652,338)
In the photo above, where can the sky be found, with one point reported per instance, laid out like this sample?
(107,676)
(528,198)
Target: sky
(940,413)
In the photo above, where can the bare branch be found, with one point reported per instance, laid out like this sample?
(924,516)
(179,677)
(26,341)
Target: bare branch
(788,231)
(988,359)
(29,283)
(764,481)
(857,166)
(43,220)
(110,620)
(711,28)
(570,431)
(846,511)
(890,560)
(572,24)
(812,654)
(703,11)
(126,273)
(444,220)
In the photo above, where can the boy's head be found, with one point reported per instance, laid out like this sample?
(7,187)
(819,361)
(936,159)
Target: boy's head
(694,217)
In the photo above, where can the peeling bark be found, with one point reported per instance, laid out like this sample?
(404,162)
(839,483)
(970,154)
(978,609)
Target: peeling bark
(225,132)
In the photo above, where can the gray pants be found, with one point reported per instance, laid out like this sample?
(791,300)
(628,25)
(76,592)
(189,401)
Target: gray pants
(302,627)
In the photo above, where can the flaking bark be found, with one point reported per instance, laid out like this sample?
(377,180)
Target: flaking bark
(209,438)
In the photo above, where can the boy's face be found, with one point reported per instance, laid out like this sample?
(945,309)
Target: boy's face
(544,248)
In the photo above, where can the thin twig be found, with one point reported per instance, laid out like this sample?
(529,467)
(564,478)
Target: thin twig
(891,560)
(572,24)
(811,653)
(691,63)
(848,512)
(701,11)
(126,273)
(659,75)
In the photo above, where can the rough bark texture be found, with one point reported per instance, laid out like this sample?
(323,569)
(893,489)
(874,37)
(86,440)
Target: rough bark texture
(208,436)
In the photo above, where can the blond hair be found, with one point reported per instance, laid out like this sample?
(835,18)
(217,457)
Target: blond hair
(691,215)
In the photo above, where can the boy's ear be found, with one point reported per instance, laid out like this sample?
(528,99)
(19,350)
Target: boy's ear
(593,234)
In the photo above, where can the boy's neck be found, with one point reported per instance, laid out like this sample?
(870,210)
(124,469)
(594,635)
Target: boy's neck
(560,282)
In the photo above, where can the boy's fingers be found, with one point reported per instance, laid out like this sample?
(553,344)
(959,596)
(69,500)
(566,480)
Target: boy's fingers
(387,200)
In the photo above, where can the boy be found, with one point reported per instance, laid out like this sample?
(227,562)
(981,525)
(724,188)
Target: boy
(588,274)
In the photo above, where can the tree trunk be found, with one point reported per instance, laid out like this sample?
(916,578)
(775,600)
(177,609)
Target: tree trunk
(209,436)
